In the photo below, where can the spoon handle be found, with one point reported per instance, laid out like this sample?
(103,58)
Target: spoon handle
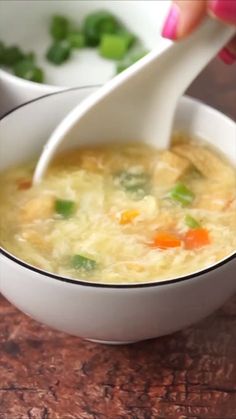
(194,53)
(180,64)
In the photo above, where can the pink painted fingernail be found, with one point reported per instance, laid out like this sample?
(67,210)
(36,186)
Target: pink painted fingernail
(227,56)
(170,27)
(224,9)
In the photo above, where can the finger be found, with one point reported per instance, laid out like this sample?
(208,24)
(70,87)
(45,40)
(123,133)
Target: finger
(183,18)
(223,9)
(228,54)
(191,15)
(232,45)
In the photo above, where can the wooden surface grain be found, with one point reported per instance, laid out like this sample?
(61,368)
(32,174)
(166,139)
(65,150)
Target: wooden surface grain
(189,375)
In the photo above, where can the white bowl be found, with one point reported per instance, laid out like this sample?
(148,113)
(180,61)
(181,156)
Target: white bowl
(30,20)
(109,313)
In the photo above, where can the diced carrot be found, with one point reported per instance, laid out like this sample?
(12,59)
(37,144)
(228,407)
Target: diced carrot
(166,240)
(196,238)
(24,184)
(128,216)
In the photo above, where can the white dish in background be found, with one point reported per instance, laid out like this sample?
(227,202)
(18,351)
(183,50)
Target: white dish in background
(111,313)
(30,20)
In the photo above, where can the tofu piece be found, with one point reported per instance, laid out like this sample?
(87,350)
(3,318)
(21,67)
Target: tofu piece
(214,201)
(36,239)
(205,202)
(136,267)
(207,163)
(232,204)
(37,208)
(169,168)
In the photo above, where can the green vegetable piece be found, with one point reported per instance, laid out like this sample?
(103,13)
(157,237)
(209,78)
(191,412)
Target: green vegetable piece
(83,263)
(30,56)
(128,61)
(59,27)
(138,55)
(130,37)
(181,194)
(122,65)
(76,39)
(2,51)
(113,46)
(11,56)
(28,71)
(59,52)
(191,222)
(97,24)
(65,207)
(134,183)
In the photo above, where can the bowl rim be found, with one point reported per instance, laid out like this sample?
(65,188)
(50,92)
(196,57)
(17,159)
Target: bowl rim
(67,280)
(19,82)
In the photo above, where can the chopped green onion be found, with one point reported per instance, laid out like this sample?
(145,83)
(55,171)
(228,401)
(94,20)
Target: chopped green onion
(30,56)
(65,207)
(137,183)
(11,56)
(76,39)
(181,194)
(130,37)
(28,71)
(191,222)
(130,60)
(59,52)
(2,50)
(113,46)
(59,27)
(97,24)
(83,263)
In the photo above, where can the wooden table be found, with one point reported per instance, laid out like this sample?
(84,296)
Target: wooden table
(189,375)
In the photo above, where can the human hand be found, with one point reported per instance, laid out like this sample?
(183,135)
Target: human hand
(185,15)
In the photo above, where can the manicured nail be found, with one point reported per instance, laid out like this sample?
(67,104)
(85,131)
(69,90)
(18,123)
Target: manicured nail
(227,56)
(170,27)
(224,9)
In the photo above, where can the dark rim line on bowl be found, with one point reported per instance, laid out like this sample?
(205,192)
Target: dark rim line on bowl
(96,284)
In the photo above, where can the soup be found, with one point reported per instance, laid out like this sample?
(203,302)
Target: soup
(122,213)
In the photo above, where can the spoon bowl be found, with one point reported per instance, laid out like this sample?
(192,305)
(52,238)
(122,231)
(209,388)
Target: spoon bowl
(141,98)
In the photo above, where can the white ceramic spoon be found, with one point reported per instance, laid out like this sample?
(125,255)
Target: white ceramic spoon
(140,100)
